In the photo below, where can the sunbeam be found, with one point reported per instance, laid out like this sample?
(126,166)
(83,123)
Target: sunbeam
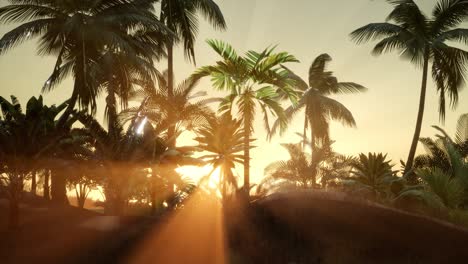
(194,234)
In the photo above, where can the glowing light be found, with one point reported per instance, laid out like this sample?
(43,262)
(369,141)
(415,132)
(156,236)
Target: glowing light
(195,173)
(142,126)
(206,243)
(165,204)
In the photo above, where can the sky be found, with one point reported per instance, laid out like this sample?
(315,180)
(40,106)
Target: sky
(385,114)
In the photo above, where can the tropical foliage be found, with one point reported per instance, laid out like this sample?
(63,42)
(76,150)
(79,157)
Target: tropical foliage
(87,37)
(442,190)
(111,48)
(425,41)
(180,17)
(437,153)
(222,152)
(318,107)
(253,81)
(371,176)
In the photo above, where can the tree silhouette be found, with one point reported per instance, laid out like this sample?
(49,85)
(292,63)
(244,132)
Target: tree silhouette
(254,80)
(424,41)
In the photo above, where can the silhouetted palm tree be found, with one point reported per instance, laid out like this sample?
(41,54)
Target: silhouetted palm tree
(180,16)
(371,175)
(299,169)
(319,108)
(424,41)
(222,139)
(80,32)
(437,154)
(121,153)
(185,110)
(28,140)
(254,80)
(439,189)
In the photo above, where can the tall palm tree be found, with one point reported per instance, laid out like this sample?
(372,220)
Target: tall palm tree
(254,80)
(180,16)
(424,41)
(319,108)
(222,139)
(79,32)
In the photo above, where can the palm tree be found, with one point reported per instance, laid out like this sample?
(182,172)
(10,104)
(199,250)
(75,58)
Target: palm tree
(299,169)
(121,153)
(253,80)
(423,41)
(319,108)
(437,153)
(222,139)
(184,110)
(180,16)
(79,33)
(439,189)
(372,174)
(28,139)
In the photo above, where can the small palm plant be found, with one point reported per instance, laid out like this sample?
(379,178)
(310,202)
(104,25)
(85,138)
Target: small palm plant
(301,169)
(442,190)
(222,138)
(437,154)
(372,176)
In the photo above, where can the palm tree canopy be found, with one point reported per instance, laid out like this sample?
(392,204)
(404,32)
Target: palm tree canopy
(222,138)
(319,108)
(180,16)
(297,169)
(437,154)
(33,135)
(302,168)
(79,32)
(186,109)
(240,75)
(413,34)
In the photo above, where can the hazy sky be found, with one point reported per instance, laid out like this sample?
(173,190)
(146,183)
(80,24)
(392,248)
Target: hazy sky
(385,115)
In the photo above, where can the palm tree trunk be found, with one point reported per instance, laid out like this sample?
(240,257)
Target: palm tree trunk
(422,100)
(46,186)
(304,141)
(223,181)
(59,188)
(312,152)
(247,156)
(170,91)
(33,182)
(81,194)
(71,105)
(112,111)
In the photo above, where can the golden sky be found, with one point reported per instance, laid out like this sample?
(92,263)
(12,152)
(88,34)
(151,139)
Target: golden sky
(385,115)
